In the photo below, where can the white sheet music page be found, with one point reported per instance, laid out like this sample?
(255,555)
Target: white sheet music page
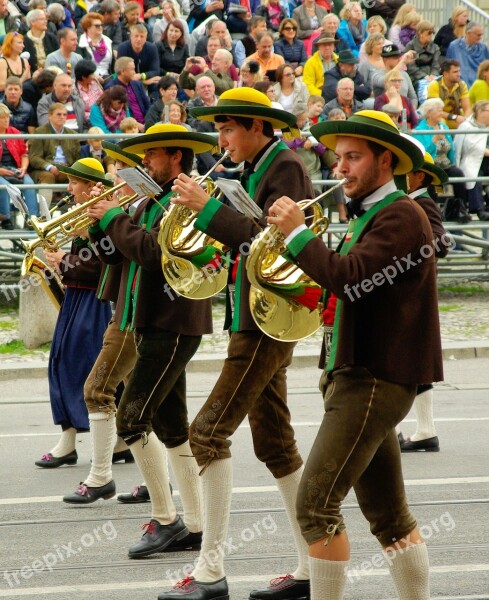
(139,181)
(239,197)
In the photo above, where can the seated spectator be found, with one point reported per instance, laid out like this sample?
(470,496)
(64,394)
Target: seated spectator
(291,93)
(200,11)
(322,61)
(353,27)
(168,91)
(98,45)
(216,28)
(129,125)
(398,22)
(59,16)
(14,162)
(454,93)
(374,63)
(172,50)
(392,58)
(315,106)
(87,84)
(470,150)
(93,149)
(34,89)
(112,27)
(132,16)
(470,51)
(329,26)
(480,88)
(38,41)
(177,115)
(273,13)
(205,95)
(213,45)
(453,30)
(138,100)
(145,57)
(392,96)
(247,45)
(375,25)
(170,10)
(238,16)
(8,22)
(408,29)
(110,109)
(249,74)
(383,9)
(46,155)
(266,87)
(63,92)
(345,99)
(263,55)
(288,46)
(426,64)
(65,58)
(440,146)
(346,67)
(12,64)
(22,115)
(219,73)
(308,17)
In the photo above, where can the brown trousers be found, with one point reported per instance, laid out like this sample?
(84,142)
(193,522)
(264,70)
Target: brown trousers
(357,446)
(253,383)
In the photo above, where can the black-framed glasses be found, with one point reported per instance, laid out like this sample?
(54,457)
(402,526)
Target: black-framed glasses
(98,25)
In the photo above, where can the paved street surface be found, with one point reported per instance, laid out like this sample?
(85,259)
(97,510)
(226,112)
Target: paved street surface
(51,549)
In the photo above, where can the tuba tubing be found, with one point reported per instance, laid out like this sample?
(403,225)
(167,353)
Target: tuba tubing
(274,282)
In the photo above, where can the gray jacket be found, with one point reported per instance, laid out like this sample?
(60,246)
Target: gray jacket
(78,106)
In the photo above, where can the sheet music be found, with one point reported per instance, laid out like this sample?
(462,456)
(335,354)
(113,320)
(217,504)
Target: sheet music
(139,181)
(16,198)
(239,197)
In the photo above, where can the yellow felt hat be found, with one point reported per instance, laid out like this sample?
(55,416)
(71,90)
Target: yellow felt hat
(87,168)
(166,135)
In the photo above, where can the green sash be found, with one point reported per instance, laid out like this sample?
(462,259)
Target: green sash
(354,231)
(250,186)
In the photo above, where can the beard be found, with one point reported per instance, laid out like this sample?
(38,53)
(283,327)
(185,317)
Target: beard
(362,185)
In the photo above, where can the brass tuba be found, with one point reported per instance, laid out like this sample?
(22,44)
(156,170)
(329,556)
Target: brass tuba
(285,302)
(192,261)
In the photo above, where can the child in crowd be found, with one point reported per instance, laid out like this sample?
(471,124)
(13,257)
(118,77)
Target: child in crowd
(94,149)
(315,105)
(129,125)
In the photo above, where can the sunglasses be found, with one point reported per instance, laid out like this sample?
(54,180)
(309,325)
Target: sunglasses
(290,29)
(98,25)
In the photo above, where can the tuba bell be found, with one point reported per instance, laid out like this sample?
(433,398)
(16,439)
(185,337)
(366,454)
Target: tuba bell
(192,262)
(285,302)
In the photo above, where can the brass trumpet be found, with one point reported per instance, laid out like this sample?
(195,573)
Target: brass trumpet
(191,261)
(284,301)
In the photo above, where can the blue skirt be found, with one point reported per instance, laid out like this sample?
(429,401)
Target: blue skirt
(76,344)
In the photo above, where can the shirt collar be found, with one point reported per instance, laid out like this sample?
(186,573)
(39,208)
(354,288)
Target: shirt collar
(418,192)
(262,155)
(379,194)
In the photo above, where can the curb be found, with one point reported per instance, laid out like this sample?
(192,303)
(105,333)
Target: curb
(205,362)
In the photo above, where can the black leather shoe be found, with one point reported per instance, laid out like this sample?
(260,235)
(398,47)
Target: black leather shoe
(157,537)
(189,589)
(192,541)
(431,444)
(124,455)
(7,225)
(483,215)
(139,494)
(284,588)
(48,461)
(86,495)
(401,439)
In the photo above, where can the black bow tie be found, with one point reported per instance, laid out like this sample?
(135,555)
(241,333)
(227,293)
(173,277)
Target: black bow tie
(354,209)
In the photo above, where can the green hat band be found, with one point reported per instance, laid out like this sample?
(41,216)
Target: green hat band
(83,169)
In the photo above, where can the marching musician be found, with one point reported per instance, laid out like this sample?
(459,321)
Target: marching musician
(82,317)
(386,340)
(168,330)
(253,379)
(113,365)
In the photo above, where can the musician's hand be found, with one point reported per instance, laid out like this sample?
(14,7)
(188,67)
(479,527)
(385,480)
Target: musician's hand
(98,210)
(54,258)
(97,190)
(285,213)
(189,193)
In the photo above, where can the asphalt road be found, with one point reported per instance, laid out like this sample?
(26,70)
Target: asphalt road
(48,548)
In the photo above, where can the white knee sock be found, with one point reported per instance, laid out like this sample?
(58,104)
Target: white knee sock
(217,483)
(151,460)
(425,428)
(120,445)
(186,473)
(410,569)
(288,487)
(102,433)
(66,443)
(328,578)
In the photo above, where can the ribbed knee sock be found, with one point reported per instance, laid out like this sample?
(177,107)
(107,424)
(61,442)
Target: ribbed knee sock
(425,428)
(186,473)
(410,569)
(288,487)
(66,443)
(217,483)
(328,578)
(102,433)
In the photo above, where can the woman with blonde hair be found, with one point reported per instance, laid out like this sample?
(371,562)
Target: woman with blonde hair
(375,24)
(398,22)
(170,10)
(353,27)
(454,29)
(392,95)
(11,62)
(249,74)
(480,88)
